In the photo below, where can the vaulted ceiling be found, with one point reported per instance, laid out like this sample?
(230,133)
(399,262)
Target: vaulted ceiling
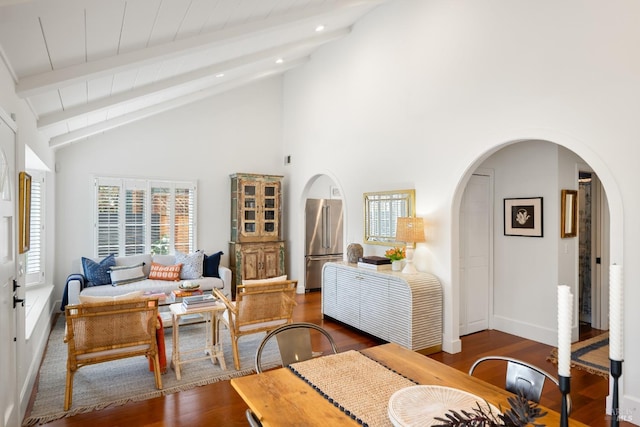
(87,66)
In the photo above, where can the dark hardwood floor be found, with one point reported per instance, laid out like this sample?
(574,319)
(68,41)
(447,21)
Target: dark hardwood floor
(219,405)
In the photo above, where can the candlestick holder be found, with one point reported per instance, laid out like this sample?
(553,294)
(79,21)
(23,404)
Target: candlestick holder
(616,371)
(565,387)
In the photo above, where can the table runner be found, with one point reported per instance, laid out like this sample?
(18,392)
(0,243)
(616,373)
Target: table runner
(343,378)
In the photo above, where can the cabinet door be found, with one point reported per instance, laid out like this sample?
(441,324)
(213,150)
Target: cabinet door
(270,211)
(400,310)
(250,201)
(259,203)
(348,297)
(374,297)
(329,291)
(271,260)
(251,260)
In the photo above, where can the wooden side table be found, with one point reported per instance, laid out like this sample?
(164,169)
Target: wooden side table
(212,347)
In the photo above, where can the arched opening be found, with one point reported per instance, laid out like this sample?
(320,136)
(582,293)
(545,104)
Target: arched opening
(323,228)
(516,298)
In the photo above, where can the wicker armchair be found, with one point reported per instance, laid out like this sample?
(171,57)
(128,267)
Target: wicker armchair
(258,308)
(105,331)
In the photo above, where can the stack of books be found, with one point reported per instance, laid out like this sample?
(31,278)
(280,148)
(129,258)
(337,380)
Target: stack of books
(181,293)
(374,262)
(198,301)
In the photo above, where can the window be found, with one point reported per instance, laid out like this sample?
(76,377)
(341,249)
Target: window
(35,255)
(142,216)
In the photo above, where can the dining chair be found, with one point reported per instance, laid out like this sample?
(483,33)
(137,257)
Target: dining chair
(252,419)
(294,343)
(257,308)
(523,378)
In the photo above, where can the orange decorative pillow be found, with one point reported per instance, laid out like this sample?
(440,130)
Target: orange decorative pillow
(165,272)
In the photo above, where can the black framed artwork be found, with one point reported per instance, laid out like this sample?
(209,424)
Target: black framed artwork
(523,217)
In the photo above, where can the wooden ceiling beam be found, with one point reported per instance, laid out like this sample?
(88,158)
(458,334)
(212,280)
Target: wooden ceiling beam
(51,80)
(289,50)
(86,132)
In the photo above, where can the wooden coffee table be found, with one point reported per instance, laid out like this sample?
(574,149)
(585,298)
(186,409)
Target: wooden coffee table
(212,346)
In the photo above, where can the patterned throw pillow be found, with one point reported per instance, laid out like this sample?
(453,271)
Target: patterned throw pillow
(191,264)
(98,272)
(123,274)
(165,272)
(211,264)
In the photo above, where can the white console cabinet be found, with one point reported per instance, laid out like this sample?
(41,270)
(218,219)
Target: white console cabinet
(402,308)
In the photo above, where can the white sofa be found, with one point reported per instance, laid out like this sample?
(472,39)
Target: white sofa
(75,286)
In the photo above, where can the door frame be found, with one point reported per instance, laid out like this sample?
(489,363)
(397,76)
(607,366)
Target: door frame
(10,396)
(599,250)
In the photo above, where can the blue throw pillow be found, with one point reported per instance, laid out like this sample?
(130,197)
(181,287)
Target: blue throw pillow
(210,265)
(98,272)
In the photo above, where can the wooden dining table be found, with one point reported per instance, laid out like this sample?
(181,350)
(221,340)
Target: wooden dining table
(279,397)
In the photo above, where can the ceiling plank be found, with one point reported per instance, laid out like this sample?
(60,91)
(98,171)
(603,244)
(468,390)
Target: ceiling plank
(61,140)
(32,85)
(207,72)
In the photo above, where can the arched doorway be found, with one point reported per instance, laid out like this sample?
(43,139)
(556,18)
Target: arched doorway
(323,228)
(514,302)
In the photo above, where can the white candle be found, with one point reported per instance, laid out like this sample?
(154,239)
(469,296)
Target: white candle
(565,316)
(616,312)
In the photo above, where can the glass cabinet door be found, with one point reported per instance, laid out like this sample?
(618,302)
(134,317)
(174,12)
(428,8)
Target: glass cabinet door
(255,204)
(249,194)
(270,211)
(260,208)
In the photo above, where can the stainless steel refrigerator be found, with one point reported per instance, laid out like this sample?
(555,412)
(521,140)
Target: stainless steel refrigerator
(323,238)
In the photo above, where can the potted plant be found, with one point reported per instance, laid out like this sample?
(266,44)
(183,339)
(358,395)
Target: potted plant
(396,255)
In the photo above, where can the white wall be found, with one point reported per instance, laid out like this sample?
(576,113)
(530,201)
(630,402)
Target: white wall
(238,131)
(423,91)
(28,351)
(528,269)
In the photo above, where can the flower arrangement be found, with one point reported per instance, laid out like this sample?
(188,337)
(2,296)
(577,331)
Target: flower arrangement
(395,254)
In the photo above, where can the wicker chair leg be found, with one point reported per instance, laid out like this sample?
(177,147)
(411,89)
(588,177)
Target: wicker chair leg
(156,371)
(236,353)
(68,392)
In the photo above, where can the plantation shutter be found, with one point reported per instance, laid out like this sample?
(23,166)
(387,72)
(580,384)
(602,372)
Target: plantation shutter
(34,255)
(135,224)
(161,208)
(107,218)
(184,219)
(141,216)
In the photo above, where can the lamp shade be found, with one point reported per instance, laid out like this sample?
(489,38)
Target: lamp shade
(410,230)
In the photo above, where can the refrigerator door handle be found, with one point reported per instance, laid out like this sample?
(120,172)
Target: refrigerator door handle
(325,228)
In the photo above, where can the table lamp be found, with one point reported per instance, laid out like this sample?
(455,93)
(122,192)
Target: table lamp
(410,230)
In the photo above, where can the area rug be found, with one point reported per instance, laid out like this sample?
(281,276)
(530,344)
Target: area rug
(119,382)
(591,355)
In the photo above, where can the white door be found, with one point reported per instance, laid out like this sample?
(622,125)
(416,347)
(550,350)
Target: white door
(600,255)
(8,197)
(475,254)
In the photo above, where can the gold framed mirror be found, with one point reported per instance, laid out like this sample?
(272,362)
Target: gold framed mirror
(381,211)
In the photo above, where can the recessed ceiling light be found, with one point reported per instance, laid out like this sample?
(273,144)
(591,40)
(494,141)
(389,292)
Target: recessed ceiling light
(319,28)
(220,75)
(279,61)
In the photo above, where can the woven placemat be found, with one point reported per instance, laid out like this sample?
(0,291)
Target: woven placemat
(343,378)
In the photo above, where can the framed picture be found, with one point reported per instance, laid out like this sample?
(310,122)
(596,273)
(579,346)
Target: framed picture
(523,217)
(569,213)
(24,212)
